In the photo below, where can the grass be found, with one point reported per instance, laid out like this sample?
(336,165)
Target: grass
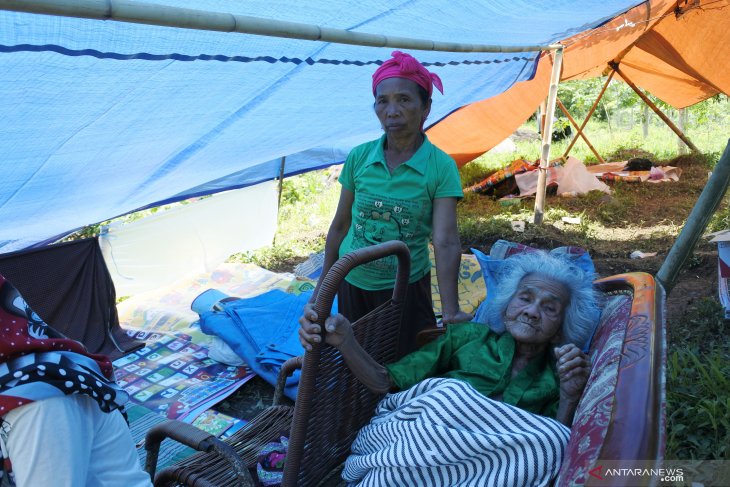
(698,385)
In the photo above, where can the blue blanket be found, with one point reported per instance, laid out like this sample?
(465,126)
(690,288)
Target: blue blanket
(262,330)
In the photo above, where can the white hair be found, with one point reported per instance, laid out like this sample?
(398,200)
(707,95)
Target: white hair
(582,310)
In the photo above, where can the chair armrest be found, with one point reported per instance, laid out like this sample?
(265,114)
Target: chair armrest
(428,335)
(287,369)
(194,438)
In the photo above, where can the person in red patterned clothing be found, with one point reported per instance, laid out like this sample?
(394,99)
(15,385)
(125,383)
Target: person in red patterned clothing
(62,423)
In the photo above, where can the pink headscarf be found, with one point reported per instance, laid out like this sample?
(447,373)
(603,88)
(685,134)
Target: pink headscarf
(403,65)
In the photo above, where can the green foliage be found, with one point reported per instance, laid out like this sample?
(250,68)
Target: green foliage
(698,385)
(698,401)
(303,187)
(272,258)
(308,203)
(721,219)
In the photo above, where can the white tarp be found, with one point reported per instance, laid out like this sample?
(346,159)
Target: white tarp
(189,239)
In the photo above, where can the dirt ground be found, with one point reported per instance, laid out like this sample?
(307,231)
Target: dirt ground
(645,217)
(696,281)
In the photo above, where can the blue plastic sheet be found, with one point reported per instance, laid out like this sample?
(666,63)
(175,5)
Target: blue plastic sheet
(101,118)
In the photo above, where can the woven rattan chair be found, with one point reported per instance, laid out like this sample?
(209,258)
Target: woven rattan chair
(331,406)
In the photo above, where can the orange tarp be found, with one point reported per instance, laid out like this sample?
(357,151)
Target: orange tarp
(676,51)
(474,129)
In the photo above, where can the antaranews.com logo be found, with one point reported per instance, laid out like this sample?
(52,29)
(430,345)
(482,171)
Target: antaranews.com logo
(704,473)
(661,474)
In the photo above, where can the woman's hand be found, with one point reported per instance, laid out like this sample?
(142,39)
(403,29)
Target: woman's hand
(574,367)
(458,317)
(338,329)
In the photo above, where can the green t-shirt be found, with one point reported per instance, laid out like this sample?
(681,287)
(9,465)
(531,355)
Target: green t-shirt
(473,353)
(397,206)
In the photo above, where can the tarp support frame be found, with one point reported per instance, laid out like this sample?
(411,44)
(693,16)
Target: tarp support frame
(580,131)
(185,18)
(697,221)
(656,109)
(590,112)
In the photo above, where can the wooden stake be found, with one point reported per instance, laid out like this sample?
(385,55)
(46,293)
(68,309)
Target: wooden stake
(651,104)
(281,187)
(588,116)
(580,131)
(281,178)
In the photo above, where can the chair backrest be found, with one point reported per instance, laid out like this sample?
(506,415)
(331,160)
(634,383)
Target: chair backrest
(332,405)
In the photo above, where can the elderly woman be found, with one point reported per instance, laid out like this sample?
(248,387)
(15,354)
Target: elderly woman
(399,187)
(477,405)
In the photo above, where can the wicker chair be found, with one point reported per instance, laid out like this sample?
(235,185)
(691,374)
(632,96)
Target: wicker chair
(331,406)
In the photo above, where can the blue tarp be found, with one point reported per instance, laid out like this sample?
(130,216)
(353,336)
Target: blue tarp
(100,118)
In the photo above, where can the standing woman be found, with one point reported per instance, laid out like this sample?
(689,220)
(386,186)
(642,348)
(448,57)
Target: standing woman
(398,187)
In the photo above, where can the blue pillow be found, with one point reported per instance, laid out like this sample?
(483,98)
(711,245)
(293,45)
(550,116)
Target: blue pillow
(492,270)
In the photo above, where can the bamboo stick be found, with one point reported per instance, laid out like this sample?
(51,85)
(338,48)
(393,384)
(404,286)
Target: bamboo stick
(580,131)
(697,221)
(590,112)
(547,138)
(651,104)
(162,15)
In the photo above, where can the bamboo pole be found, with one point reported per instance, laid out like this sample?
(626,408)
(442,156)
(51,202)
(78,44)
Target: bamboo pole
(697,221)
(661,115)
(590,112)
(580,131)
(547,138)
(162,15)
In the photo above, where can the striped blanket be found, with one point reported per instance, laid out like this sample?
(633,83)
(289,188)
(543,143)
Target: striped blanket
(443,432)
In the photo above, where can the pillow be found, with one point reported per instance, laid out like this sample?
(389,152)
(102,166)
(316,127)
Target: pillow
(493,266)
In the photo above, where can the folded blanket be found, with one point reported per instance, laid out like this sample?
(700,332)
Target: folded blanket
(443,432)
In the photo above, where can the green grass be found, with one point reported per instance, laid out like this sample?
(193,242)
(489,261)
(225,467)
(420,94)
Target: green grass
(698,385)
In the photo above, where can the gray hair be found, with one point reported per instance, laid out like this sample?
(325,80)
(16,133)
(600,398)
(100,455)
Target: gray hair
(582,311)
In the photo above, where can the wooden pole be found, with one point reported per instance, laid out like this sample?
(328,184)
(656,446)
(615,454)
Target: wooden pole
(281,179)
(697,221)
(547,138)
(682,124)
(281,188)
(185,18)
(580,131)
(656,110)
(590,112)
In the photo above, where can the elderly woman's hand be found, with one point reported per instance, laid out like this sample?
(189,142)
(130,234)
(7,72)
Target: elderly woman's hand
(574,367)
(338,329)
